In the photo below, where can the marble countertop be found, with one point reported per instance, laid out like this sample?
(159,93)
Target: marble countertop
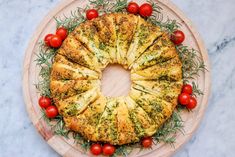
(215,20)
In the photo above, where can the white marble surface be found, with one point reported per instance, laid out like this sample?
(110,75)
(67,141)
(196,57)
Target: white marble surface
(215,20)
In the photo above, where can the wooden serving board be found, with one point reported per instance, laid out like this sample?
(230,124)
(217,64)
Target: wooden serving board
(115,82)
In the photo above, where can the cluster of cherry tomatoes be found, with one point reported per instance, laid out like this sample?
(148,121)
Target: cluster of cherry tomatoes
(108,149)
(55,40)
(186,98)
(50,110)
(145,10)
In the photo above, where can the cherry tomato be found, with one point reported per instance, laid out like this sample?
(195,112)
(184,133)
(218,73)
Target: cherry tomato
(147,142)
(91,14)
(47,39)
(62,32)
(56,41)
(187,88)
(44,102)
(184,98)
(192,103)
(177,37)
(51,112)
(146,10)
(96,149)
(133,8)
(108,149)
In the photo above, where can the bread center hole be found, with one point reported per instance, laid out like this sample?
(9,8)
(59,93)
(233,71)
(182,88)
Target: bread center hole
(115,81)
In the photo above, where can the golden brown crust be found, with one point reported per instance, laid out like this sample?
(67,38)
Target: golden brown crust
(156,74)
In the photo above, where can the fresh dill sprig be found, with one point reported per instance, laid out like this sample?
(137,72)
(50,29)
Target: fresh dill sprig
(119,5)
(168,26)
(59,127)
(156,8)
(79,139)
(44,61)
(192,64)
(101,5)
(124,150)
(196,90)
(45,118)
(108,6)
(72,21)
(167,132)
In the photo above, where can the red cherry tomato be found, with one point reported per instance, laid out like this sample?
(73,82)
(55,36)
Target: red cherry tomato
(44,102)
(184,98)
(147,142)
(192,103)
(47,39)
(108,149)
(133,8)
(91,14)
(177,37)
(56,41)
(146,10)
(51,112)
(187,88)
(62,32)
(96,149)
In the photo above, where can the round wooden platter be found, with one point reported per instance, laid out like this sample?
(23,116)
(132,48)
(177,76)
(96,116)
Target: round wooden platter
(67,147)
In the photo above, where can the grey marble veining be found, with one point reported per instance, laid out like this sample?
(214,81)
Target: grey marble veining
(215,20)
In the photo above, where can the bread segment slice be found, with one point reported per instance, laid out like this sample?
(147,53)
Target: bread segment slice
(87,34)
(77,52)
(86,123)
(125,126)
(106,130)
(166,90)
(63,69)
(145,35)
(75,105)
(159,110)
(125,27)
(62,89)
(161,51)
(144,125)
(106,30)
(170,70)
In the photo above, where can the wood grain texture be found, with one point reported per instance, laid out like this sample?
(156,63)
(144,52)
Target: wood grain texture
(66,147)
